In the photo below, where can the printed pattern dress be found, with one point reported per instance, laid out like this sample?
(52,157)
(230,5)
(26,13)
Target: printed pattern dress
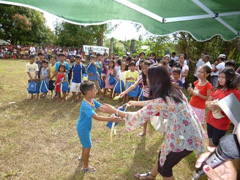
(183,132)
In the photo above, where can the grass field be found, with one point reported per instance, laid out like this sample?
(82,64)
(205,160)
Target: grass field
(38,138)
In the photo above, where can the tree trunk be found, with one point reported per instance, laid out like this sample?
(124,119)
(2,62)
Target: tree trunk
(111,46)
(132,46)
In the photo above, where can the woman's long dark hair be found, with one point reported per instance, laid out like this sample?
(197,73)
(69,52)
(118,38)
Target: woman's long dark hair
(161,85)
(231,79)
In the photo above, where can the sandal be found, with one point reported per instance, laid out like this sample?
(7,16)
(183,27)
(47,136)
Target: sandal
(138,176)
(141,134)
(90,170)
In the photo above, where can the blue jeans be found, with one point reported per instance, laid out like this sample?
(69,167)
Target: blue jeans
(214,80)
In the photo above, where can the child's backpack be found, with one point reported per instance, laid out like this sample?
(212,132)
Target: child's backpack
(134,92)
(111,80)
(118,86)
(44,87)
(33,88)
(90,68)
(64,86)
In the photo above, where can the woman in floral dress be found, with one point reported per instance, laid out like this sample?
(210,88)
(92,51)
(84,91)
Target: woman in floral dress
(184,133)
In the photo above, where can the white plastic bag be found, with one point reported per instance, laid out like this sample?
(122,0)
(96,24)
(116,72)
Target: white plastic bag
(159,124)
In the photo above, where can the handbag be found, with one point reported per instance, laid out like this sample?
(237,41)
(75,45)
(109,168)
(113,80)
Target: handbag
(44,87)
(134,92)
(111,80)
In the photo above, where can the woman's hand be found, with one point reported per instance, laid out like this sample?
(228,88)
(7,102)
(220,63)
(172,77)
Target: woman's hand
(117,119)
(225,171)
(213,106)
(106,108)
(122,94)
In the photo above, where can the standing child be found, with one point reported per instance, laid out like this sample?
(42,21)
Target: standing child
(201,92)
(78,70)
(218,124)
(61,78)
(32,71)
(44,76)
(52,75)
(111,71)
(84,124)
(176,77)
(131,77)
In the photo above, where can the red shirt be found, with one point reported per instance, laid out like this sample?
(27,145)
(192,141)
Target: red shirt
(223,123)
(197,101)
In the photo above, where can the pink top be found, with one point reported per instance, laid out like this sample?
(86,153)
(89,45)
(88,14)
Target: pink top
(107,85)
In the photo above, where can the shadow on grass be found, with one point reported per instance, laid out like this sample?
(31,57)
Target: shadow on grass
(78,174)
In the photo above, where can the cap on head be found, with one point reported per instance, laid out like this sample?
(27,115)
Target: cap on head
(222,56)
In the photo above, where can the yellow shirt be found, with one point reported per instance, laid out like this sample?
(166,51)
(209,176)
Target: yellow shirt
(52,71)
(134,74)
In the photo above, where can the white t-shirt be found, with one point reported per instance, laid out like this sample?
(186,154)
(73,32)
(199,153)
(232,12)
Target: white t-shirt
(209,64)
(121,75)
(32,50)
(184,68)
(214,73)
(32,68)
(220,67)
(199,63)
(174,58)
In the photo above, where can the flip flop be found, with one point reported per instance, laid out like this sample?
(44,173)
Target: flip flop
(138,176)
(90,170)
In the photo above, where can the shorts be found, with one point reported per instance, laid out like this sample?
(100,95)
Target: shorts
(215,134)
(51,85)
(96,84)
(171,160)
(85,139)
(75,87)
(103,74)
(129,84)
(200,114)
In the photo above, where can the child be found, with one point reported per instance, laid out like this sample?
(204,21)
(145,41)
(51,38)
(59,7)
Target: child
(84,124)
(78,70)
(144,81)
(176,77)
(44,75)
(105,63)
(201,92)
(52,74)
(61,78)
(218,126)
(131,76)
(110,71)
(118,65)
(32,71)
(121,73)
(93,75)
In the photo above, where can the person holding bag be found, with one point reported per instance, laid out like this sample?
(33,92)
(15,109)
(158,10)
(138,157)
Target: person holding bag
(184,133)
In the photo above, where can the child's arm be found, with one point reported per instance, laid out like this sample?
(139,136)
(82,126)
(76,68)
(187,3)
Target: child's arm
(65,78)
(137,103)
(30,76)
(48,73)
(36,74)
(202,96)
(52,76)
(102,118)
(93,62)
(114,72)
(41,75)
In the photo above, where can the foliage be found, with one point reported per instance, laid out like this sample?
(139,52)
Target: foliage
(22,25)
(75,35)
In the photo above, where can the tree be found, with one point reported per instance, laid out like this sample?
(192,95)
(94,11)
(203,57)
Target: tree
(75,35)
(22,25)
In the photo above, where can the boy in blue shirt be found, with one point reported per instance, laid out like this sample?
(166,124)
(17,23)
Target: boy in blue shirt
(84,124)
(78,70)
(63,62)
(176,77)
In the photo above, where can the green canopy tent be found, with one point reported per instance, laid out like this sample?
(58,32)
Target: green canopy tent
(203,19)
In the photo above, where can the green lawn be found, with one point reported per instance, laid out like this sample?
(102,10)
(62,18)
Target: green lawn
(38,138)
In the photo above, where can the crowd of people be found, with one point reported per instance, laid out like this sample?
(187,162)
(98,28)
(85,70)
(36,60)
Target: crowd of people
(152,83)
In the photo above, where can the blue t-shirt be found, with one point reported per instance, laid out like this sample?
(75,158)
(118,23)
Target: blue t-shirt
(92,69)
(179,83)
(58,64)
(84,124)
(77,72)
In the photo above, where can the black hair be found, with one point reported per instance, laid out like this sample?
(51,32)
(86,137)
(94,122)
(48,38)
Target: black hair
(40,54)
(208,70)
(177,70)
(207,56)
(142,53)
(61,65)
(144,77)
(158,60)
(135,56)
(141,61)
(124,56)
(119,62)
(45,61)
(215,60)
(98,54)
(231,63)
(113,63)
(231,79)
(161,85)
(126,66)
(173,53)
(205,53)
(53,57)
(92,56)
(129,59)
(86,86)
(31,56)
(132,63)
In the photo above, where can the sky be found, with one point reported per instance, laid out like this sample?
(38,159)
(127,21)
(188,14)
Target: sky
(124,31)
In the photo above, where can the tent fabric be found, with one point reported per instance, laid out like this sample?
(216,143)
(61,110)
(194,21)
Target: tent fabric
(209,16)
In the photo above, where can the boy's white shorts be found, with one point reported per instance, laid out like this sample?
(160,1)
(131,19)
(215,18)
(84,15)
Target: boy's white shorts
(75,87)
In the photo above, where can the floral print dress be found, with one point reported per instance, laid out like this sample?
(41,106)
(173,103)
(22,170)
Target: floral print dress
(184,130)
